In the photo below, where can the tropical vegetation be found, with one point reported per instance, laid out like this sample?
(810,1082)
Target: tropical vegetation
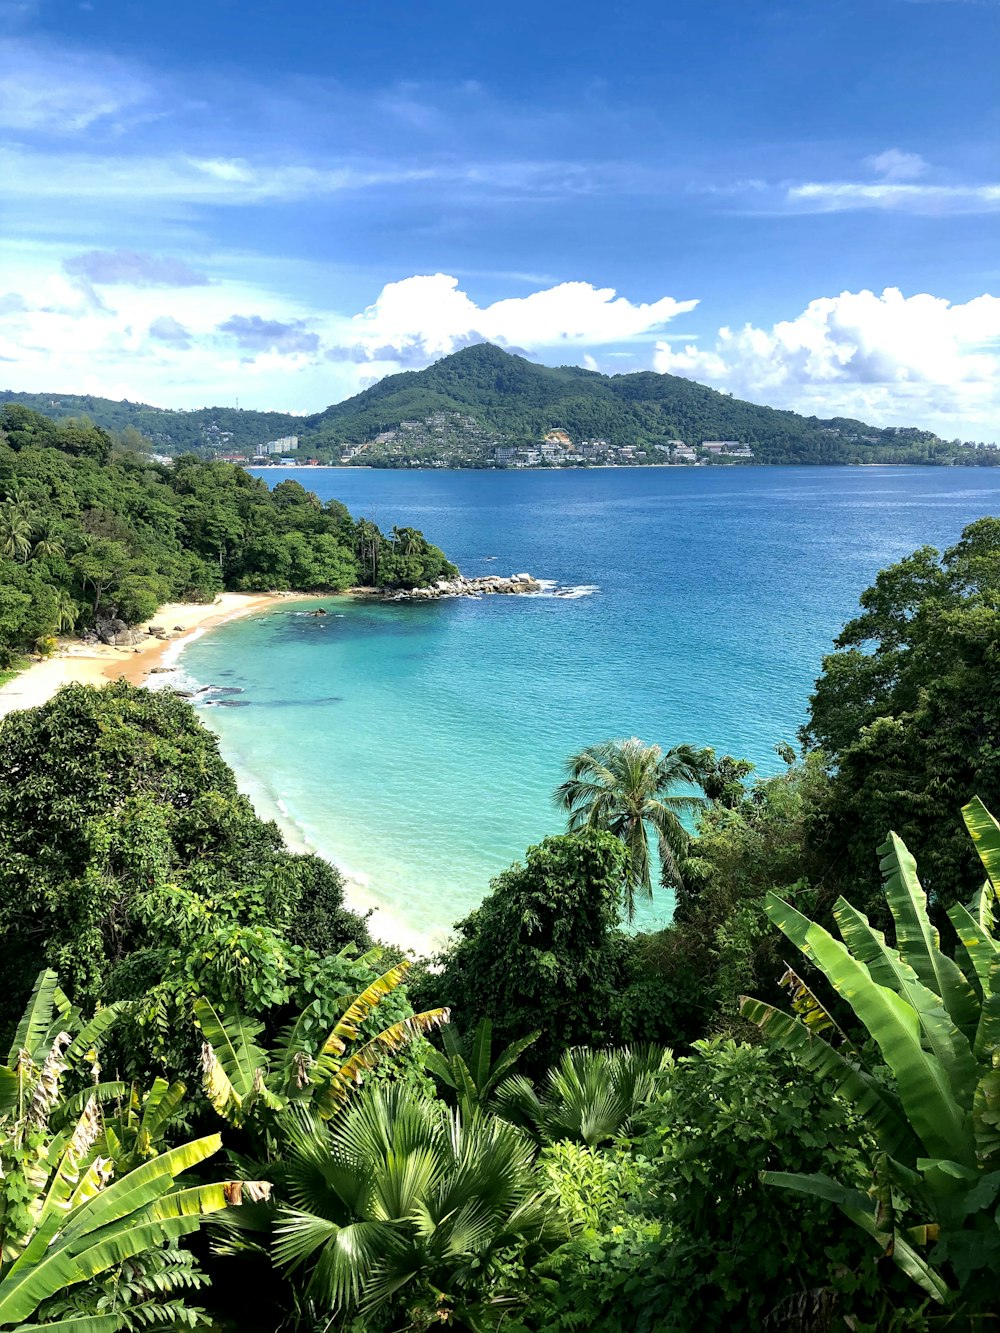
(224,1105)
(90,530)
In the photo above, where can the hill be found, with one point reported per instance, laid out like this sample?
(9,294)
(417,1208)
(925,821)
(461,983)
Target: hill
(468,406)
(483,397)
(171,431)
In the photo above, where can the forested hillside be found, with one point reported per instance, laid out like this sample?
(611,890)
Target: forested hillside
(464,407)
(87,530)
(172,432)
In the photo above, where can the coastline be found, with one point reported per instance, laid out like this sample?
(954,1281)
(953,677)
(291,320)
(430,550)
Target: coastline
(80,663)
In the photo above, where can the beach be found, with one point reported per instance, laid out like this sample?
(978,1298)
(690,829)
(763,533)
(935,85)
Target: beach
(97,663)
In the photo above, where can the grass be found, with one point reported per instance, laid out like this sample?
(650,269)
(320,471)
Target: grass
(7,674)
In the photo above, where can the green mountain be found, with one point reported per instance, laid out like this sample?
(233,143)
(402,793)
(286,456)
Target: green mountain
(505,399)
(463,408)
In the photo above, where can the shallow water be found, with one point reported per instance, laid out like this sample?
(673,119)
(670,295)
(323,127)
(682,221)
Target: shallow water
(418,745)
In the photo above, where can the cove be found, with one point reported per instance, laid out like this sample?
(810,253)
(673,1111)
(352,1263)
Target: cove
(417,745)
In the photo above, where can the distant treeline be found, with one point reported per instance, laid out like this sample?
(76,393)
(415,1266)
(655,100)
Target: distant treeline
(87,528)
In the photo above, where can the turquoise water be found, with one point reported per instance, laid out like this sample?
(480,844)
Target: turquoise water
(418,745)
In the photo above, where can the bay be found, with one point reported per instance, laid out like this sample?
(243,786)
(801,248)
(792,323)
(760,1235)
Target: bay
(417,746)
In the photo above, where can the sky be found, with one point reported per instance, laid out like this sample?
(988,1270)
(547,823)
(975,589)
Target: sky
(221,201)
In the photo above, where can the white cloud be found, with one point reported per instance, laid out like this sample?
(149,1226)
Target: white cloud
(58,91)
(917,360)
(185,345)
(431,316)
(896,165)
(838,196)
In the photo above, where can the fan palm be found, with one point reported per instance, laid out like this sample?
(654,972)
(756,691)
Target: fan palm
(399,1195)
(590,1096)
(629,789)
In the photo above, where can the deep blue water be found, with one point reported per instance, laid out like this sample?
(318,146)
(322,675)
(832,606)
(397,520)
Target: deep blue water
(418,745)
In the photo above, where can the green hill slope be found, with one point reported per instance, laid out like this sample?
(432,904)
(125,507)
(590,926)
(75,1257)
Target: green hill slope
(514,401)
(460,410)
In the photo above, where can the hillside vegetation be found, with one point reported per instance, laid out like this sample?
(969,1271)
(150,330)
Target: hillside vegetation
(461,409)
(88,531)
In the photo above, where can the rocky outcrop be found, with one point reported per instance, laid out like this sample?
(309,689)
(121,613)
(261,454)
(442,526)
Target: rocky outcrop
(463,587)
(115,632)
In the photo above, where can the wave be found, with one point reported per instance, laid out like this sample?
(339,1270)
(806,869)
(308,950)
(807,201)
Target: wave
(552,589)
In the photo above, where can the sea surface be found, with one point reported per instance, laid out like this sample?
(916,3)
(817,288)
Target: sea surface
(418,745)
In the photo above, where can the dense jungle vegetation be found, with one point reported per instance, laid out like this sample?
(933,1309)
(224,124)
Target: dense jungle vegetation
(223,1106)
(88,529)
(514,401)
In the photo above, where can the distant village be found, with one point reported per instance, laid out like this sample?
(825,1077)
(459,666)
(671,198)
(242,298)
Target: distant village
(453,439)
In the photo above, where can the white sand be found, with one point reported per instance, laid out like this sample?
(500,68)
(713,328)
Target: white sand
(96,664)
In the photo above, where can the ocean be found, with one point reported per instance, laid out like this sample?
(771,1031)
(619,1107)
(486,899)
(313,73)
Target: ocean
(418,745)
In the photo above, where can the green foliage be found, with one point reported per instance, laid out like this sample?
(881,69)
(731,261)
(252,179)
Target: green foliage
(129,860)
(907,713)
(89,530)
(467,1067)
(681,1233)
(934,1201)
(627,788)
(589,1096)
(543,951)
(407,1211)
(89,1208)
(313,1064)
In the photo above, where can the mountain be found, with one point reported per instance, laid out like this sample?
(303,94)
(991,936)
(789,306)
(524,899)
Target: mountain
(463,408)
(508,400)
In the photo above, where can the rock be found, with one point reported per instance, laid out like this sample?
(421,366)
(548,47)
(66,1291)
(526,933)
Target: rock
(115,633)
(318,612)
(178,629)
(155,629)
(521,578)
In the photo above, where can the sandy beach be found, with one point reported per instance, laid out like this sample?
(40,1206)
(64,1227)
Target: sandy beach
(97,663)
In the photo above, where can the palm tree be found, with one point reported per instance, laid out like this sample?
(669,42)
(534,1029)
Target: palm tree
(401,1197)
(627,788)
(591,1096)
(15,533)
(47,543)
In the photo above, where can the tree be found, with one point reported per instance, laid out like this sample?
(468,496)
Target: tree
(15,532)
(542,951)
(627,788)
(933,1100)
(906,711)
(127,855)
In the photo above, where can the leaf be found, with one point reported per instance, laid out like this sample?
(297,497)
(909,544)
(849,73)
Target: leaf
(942,1125)
(878,1107)
(985,833)
(918,942)
(32,1031)
(229,1077)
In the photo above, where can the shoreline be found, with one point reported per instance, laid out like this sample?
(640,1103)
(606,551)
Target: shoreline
(75,662)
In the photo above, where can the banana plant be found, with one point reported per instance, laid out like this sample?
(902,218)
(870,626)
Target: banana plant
(308,1065)
(69,1213)
(933,1101)
(468,1068)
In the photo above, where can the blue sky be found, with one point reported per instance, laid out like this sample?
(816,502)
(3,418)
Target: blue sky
(797,203)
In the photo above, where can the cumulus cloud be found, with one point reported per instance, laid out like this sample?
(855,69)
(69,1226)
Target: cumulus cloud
(255,334)
(896,165)
(168,330)
(899,359)
(424,317)
(133,268)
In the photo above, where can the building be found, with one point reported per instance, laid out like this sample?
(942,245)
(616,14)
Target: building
(286,445)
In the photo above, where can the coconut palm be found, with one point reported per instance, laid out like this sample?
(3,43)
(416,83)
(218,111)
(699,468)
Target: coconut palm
(47,542)
(629,789)
(401,1197)
(15,533)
